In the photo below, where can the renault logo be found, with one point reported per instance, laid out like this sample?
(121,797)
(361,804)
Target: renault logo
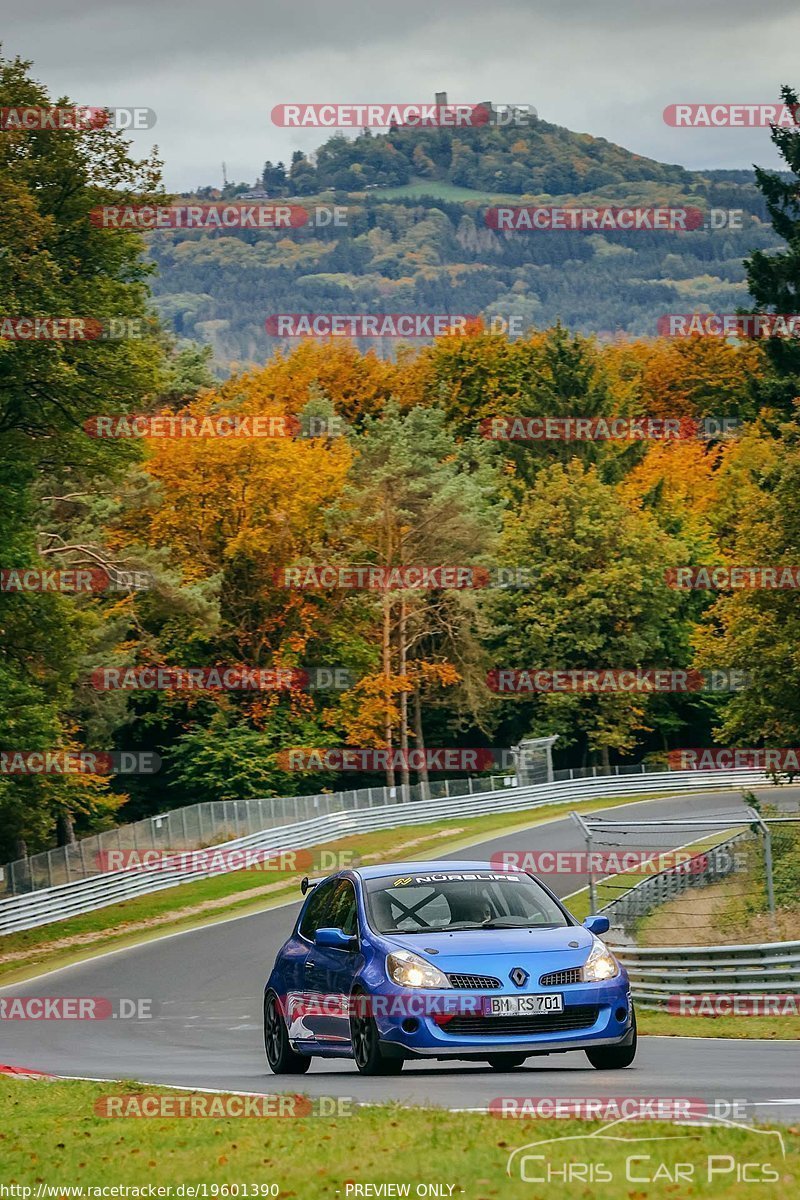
(519,977)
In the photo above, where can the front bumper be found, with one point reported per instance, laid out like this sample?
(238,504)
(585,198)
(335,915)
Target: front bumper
(604,1011)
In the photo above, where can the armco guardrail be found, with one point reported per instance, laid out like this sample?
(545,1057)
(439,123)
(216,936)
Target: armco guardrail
(86,895)
(659,972)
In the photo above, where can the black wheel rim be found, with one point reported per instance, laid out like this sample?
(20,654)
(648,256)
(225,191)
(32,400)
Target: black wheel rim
(361,1032)
(273,1032)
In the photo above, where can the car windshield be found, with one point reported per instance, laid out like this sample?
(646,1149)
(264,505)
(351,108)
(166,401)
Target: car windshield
(460,900)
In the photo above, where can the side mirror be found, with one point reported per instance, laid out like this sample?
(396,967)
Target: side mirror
(597,925)
(337,939)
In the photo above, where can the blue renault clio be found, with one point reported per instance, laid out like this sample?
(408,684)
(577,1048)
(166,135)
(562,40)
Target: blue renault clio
(444,960)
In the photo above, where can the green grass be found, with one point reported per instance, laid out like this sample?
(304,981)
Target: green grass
(187,906)
(672,1025)
(439,189)
(50,1134)
(625,193)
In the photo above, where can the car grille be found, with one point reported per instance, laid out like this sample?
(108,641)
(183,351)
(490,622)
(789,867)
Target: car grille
(560,978)
(579,1016)
(474,981)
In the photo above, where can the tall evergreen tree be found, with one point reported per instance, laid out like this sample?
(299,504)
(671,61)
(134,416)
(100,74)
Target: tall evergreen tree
(774,279)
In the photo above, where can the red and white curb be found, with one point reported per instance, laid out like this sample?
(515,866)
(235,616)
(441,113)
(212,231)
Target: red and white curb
(24,1072)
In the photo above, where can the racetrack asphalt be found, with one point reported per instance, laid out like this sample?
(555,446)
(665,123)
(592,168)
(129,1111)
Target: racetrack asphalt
(206,988)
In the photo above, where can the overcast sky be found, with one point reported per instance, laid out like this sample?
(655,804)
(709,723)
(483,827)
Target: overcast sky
(213,69)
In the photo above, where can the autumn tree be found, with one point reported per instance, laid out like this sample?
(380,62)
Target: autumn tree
(599,601)
(756,630)
(233,513)
(55,262)
(419,497)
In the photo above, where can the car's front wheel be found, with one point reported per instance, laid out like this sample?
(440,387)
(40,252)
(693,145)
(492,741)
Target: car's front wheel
(506,1062)
(613,1058)
(282,1059)
(369,1058)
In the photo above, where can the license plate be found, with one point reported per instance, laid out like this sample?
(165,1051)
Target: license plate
(522,1006)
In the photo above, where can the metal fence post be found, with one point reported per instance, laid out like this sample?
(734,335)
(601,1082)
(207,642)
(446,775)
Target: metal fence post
(768,868)
(765,833)
(587,833)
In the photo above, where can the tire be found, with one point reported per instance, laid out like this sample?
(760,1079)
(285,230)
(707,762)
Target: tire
(614,1058)
(282,1059)
(367,1053)
(506,1062)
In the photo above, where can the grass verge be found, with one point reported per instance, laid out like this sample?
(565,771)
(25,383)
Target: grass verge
(52,1137)
(742,1027)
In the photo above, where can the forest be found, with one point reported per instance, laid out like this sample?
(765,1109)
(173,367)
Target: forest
(381,462)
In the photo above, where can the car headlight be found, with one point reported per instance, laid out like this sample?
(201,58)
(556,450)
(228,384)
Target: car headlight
(409,970)
(600,964)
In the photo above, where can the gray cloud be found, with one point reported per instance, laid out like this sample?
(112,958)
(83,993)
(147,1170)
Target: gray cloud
(213,71)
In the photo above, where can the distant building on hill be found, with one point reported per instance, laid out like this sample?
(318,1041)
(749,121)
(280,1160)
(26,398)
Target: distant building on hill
(257,193)
(506,114)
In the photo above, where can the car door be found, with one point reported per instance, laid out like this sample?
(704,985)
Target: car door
(296,959)
(330,972)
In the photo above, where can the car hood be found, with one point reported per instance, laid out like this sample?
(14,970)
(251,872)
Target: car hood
(453,951)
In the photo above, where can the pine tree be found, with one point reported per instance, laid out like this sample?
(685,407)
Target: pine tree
(774,279)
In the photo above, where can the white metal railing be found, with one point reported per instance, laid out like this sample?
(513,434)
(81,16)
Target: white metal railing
(86,895)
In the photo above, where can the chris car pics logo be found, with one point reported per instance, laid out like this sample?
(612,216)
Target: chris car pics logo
(690,1157)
